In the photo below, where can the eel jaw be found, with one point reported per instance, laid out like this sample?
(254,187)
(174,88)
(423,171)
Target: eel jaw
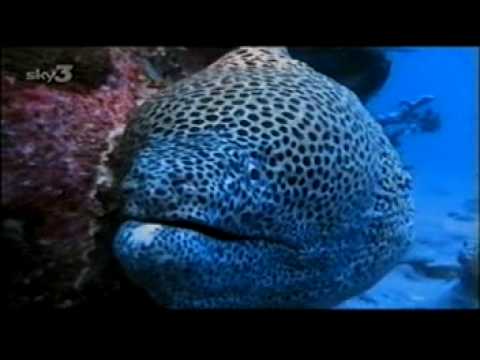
(140,242)
(200,228)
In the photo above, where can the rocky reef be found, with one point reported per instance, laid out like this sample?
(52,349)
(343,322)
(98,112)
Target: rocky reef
(54,140)
(363,70)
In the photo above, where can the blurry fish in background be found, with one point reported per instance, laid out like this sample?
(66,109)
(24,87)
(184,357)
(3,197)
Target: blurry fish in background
(415,116)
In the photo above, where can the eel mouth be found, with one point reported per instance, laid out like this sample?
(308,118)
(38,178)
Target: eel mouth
(192,225)
(201,228)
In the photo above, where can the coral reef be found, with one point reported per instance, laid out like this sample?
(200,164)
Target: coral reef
(52,144)
(169,64)
(92,65)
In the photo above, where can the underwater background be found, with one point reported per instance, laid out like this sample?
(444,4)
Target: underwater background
(57,140)
(444,165)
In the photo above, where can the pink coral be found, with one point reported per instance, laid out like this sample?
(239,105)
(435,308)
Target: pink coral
(53,140)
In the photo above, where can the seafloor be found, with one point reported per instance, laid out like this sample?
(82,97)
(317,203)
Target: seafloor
(445,170)
(430,276)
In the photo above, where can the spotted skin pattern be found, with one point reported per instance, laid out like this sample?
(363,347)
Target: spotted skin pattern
(287,162)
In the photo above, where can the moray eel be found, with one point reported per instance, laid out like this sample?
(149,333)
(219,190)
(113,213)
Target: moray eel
(259,183)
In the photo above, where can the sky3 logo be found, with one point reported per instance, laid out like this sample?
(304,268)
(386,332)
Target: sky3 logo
(61,74)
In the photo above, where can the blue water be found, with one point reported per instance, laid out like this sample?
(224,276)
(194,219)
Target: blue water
(451,76)
(445,172)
